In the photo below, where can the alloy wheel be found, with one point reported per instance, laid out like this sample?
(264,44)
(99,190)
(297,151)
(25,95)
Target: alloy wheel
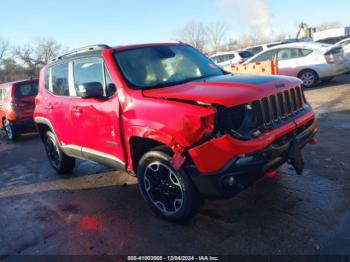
(163,188)
(52,152)
(308,79)
(8,129)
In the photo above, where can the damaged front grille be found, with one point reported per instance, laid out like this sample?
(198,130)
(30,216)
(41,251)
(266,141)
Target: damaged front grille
(250,120)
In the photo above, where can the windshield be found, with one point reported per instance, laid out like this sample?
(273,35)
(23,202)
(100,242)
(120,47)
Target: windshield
(164,65)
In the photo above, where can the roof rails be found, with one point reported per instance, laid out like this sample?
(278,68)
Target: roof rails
(81,50)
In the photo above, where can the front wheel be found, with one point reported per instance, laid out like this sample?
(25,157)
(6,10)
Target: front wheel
(309,78)
(10,131)
(62,163)
(170,193)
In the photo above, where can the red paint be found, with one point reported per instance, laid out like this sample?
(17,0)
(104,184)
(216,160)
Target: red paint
(271,173)
(89,223)
(159,115)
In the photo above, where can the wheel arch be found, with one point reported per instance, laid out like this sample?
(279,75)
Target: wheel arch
(141,145)
(43,125)
(308,69)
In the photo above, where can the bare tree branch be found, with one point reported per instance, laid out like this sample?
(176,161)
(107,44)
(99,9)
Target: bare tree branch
(216,33)
(193,33)
(4,48)
(36,55)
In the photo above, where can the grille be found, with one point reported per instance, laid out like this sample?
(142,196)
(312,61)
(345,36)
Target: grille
(245,121)
(278,106)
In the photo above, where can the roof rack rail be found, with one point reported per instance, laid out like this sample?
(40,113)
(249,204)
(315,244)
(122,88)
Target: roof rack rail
(81,50)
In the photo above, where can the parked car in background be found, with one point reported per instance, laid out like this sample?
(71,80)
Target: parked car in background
(259,48)
(224,59)
(310,62)
(345,44)
(165,112)
(17,107)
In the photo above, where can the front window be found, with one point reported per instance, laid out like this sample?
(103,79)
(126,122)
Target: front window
(267,56)
(164,65)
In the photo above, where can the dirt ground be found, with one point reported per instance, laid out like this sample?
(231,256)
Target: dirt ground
(99,211)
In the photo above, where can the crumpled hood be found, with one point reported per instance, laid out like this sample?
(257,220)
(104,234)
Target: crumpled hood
(226,90)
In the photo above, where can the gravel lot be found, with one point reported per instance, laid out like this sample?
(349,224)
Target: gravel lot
(99,211)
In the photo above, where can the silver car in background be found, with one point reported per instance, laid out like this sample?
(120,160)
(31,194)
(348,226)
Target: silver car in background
(224,59)
(345,44)
(308,61)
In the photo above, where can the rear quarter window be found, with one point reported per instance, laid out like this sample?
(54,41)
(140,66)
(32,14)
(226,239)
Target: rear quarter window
(26,90)
(59,75)
(305,52)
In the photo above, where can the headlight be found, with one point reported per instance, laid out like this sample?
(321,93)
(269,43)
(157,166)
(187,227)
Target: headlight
(239,121)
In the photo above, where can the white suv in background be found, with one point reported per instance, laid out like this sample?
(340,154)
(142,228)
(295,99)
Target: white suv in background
(224,59)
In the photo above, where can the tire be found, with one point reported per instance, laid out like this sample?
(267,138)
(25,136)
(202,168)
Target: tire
(170,193)
(10,131)
(62,163)
(309,77)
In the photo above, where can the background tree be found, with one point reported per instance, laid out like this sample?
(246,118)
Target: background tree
(4,48)
(193,33)
(216,34)
(37,54)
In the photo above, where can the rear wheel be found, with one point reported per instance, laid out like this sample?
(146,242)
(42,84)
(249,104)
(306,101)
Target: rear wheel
(309,78)
(170,193)
(10,131)
(62,163)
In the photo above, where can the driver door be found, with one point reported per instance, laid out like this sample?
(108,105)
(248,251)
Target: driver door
(97,120)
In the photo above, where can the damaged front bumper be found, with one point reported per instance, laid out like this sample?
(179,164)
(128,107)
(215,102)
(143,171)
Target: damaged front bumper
(249,160)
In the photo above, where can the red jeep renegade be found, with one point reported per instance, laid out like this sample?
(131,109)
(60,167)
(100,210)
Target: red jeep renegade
(17,107)
(167,113)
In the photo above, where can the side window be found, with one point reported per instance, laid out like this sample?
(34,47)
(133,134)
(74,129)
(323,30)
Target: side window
(60,84)
(304,52)
(284,54)
(255,50)
(1,94)
(266,56)
(87,71)
(47,78)
(291,53)
(215,59)
(231,56)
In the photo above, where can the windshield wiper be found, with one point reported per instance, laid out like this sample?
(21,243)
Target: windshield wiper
(166,84)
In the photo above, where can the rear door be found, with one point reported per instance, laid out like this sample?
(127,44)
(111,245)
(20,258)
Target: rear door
(97,120)
(57,101)
(292,60)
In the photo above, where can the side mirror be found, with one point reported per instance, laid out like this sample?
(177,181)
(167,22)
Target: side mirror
(91,90)
(111,89)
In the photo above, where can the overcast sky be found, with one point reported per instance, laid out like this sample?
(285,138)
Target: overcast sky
(76,23)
